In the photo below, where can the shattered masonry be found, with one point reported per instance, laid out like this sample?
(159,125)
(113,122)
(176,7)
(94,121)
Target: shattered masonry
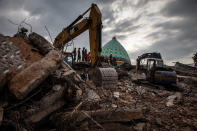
(38,89)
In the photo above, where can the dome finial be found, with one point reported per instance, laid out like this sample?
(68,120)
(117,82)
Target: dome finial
(114,38)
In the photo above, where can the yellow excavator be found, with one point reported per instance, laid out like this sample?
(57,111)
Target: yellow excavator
(155,70)
(93,23)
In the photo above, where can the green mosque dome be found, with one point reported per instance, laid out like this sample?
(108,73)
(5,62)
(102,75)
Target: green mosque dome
(117,50)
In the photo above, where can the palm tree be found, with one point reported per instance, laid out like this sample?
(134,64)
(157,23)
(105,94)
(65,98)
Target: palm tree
(195,59)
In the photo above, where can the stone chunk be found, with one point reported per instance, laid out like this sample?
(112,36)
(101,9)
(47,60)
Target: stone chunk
(28,79)
(40,43)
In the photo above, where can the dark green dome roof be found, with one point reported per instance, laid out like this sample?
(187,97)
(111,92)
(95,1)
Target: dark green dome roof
(116,49)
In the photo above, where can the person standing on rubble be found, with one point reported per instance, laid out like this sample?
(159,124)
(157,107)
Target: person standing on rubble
(79,55)
(74,54)
(83,54)
(110,58)
(22,33)
(88,57)
(114,61)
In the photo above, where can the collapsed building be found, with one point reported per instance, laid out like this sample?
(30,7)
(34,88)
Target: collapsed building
(39,91)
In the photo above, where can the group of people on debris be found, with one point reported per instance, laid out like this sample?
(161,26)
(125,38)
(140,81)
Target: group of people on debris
(79,55)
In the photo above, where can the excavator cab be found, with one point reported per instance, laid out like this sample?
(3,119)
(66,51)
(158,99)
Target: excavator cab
(152,64)
(157,73)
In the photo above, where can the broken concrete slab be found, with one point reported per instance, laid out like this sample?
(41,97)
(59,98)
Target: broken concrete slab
(11,60)
(50,102)
(188,79)
(37,117)
(28,79)
(93,96)
(177,96)
(117,115)
(52,96)
(40,43)
(71,121)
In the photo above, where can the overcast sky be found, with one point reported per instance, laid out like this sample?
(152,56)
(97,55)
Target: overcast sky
(165,26)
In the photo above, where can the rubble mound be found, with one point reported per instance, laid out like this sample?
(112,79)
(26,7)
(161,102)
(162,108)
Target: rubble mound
(39,91)
(29,53)
(11,60)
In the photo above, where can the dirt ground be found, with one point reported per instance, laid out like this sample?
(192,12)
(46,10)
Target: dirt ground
(163,107)
(180,116)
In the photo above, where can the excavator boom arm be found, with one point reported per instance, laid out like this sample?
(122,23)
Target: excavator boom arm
(70,33)
(95,35)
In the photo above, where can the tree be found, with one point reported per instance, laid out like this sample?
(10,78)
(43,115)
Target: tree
(195,59)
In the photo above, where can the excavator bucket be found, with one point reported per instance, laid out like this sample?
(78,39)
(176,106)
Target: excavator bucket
(105,77)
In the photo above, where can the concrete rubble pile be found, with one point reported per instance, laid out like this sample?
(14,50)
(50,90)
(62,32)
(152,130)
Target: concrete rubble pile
(39,91)
(183,69)
(34,81)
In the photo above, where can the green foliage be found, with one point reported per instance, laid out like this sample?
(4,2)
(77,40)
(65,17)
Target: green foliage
(195,59)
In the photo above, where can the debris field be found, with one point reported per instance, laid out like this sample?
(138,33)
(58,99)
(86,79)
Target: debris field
(40,91)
